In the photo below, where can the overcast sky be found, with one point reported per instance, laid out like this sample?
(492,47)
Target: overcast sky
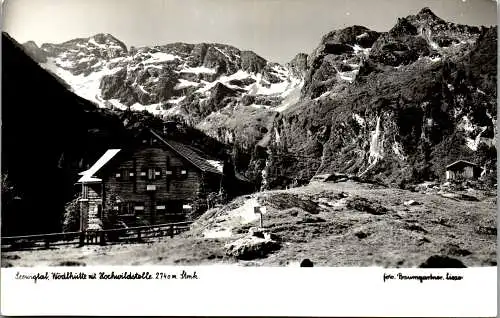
(275,29)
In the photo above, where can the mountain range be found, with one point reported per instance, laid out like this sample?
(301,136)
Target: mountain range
(395,106)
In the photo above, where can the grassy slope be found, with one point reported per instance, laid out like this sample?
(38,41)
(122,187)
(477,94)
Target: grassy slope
(402,236)
(319,223)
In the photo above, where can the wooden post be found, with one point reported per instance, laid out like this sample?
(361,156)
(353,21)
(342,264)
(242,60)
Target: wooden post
(83,210)
(102,238)
(171,230)
(258,210)
(139,234)
(47,243)
(82,239)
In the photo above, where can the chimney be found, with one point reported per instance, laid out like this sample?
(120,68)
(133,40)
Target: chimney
(169,128)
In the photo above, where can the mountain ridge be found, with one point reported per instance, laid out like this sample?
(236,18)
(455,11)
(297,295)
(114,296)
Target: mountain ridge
(423,72)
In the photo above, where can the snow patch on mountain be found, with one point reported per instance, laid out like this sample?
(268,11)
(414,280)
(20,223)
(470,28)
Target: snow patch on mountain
(473,144)
(360,120)
(151,108)
(86,86)
(185,83)
(198,70)
(160,57)
(358,50)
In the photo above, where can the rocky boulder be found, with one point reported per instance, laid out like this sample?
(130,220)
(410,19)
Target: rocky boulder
(394,50)
(251,247)
(352,35)
(440,261)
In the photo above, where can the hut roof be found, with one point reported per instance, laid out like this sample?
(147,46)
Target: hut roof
(205,165)
(188,153)
(88,175)
(460,164)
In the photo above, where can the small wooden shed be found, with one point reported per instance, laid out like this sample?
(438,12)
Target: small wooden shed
(462,169)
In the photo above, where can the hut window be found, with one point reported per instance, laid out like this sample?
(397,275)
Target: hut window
(131,174)
(125,174)
(139,207)
(151,174)
(118,175)
(143,173)
(182,173)
(125,208)
(160,207)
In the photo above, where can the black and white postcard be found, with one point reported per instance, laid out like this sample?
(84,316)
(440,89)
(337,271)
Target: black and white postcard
(249,157)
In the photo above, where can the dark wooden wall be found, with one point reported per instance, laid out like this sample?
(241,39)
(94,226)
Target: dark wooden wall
(172,190)
(467,172)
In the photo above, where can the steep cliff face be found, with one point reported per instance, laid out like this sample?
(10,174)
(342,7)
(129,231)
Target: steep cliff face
(418,101)
(336,61)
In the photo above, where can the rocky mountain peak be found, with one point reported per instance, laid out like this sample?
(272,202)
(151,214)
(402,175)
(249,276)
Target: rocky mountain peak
(299,64)
(30,44)
(427,16)
(349,35)
(403,27)
(251,62)
(32,49)
(106,40)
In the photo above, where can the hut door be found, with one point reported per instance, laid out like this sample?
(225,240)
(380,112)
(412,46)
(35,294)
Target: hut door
(152,207)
